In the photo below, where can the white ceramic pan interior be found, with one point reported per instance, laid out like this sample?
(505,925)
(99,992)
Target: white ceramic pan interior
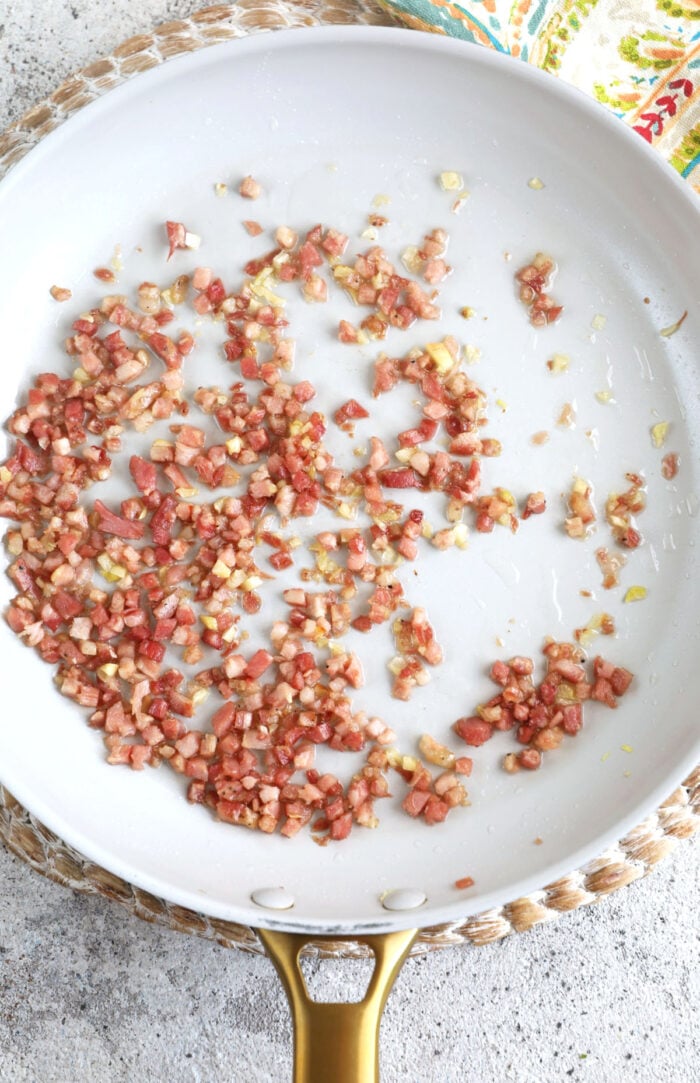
(327,120)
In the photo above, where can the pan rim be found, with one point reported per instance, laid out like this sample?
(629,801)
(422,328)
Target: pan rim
(431,914)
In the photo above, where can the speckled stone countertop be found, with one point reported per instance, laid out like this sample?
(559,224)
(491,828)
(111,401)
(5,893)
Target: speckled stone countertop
(89,994)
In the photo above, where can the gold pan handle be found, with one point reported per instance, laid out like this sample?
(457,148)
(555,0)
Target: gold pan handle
(337,1043)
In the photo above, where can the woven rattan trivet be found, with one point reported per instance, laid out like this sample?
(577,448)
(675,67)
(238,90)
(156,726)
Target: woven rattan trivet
(632,858)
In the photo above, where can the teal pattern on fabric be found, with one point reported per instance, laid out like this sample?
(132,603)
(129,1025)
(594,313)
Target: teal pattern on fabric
(639,58)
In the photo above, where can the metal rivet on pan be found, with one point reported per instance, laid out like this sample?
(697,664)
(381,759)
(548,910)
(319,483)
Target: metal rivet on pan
(404,898)
(273,898)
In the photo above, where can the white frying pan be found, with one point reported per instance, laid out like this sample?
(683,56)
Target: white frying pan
(327,120)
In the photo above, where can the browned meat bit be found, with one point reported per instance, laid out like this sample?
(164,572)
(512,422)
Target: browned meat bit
(610,564)
(347,413)
(249,188)
(610,682)
(534,505)
(60,293)
(496,507)
(535,280)
(582,512)
(621,509)
(567,417)
(669,465)
(414,637)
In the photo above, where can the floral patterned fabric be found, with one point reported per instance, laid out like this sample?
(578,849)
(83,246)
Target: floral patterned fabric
(639,58)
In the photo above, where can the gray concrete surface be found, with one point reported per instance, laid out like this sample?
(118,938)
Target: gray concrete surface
(91,995)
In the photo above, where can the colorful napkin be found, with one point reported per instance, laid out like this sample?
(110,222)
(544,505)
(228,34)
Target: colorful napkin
(639,58)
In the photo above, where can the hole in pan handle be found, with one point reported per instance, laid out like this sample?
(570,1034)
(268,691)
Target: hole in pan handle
(338,1042)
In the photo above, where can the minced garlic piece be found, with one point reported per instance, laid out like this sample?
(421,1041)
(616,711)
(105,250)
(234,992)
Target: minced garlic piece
(411,260)
(635,594)
(599,624)
(110,571)
(259,287)
(536,184)
(451,181)
(442,357)
(432,751)
(659,433)
(558,363)
(461,535)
